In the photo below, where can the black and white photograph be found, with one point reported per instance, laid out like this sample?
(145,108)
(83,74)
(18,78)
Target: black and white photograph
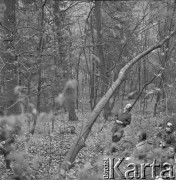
(87,89)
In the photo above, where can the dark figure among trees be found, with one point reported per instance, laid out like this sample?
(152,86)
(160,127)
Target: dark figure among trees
(166,137)
(68,98)
(9,128)
(123,119)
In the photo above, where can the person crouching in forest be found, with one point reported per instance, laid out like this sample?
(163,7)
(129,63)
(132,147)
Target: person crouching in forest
(142,149)
(122,120)
(10,127)
(166,137)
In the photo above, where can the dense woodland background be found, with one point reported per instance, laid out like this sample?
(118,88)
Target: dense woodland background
(44,43)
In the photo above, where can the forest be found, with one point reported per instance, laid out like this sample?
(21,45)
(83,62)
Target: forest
(85,84)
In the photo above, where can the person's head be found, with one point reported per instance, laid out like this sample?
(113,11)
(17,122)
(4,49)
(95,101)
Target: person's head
(127,107)
(171,152)
(160,126)
(169,127)
(118,135)
(172,149)
(141,136)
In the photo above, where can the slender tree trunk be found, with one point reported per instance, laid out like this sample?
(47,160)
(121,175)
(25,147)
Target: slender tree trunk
(92,85)
(59,17)
(144,69)
(157,100)
(100,52)
(139,76)
(10,70)
(40,51)
(77,78)
(93,78)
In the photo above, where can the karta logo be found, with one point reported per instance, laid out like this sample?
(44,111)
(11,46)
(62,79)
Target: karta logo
(116,168)
(111,167)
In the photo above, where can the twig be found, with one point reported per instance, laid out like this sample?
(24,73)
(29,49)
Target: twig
(143,89)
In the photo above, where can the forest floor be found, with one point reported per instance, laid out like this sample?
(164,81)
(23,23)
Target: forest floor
(47,149)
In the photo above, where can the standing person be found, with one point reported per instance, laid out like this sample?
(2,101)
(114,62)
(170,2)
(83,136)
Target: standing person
(122,120)
(67,99)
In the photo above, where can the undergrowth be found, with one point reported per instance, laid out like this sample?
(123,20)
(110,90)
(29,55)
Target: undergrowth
(40,156)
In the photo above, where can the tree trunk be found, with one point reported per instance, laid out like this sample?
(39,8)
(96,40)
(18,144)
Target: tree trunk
(92,85)
(100,52)
(10,70)
(77,78)
(59,18)
(40,51)
(158,95)
(93,77)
